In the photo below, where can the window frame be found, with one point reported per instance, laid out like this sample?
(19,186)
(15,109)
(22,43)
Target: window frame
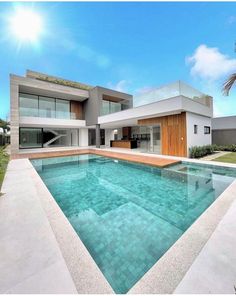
(35,128)
(207,130)
(55,98)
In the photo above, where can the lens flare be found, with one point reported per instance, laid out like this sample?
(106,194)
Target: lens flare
(26,25)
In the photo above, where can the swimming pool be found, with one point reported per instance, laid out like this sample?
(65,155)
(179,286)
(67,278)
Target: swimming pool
(128,215)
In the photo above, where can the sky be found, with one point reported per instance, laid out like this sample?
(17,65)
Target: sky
(131,47)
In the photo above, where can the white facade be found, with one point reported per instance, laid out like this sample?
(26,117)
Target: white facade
(83,137)
(170,106)
(199,138)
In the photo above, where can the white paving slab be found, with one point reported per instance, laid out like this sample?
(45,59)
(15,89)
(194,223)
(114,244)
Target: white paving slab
(29,254)
(214,270)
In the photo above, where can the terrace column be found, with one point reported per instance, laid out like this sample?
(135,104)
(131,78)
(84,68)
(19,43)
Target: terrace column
(97,135)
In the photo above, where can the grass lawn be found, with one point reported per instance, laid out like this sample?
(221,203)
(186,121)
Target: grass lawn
(4,158)
(230,158)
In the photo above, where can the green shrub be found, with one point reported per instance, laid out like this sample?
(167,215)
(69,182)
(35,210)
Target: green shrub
(200,151)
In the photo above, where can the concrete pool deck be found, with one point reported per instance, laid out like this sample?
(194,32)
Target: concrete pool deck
(36,240)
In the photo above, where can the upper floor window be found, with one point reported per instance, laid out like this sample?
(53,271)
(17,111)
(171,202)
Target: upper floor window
(109,107)
(28,105)
(195,129)
(207,130)
(45,107)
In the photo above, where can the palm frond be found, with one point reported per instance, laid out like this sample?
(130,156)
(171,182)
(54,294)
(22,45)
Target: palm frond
(228,84)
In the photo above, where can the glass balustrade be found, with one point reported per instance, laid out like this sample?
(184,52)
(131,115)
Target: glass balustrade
(46,113)
(171,90)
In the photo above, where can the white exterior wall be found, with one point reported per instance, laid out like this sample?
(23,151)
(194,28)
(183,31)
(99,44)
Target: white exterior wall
(83,137)
(199,139)
(75,137)
(109,136)
(170,106)
(26,121)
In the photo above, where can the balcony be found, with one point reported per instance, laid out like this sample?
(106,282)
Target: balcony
(46,113)
(30,117)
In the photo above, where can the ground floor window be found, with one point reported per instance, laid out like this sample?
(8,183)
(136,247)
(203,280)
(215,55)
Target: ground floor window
(31,138)
(92,137)
(48,137)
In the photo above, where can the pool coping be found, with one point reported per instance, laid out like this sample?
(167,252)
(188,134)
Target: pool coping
(87,277)
(169,270)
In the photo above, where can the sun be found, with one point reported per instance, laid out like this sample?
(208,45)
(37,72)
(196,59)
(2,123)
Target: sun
(26,25)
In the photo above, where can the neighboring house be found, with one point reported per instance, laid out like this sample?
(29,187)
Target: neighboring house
(224,130)
(47,111)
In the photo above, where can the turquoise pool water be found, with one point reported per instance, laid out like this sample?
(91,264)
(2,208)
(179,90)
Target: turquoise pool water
(128,215)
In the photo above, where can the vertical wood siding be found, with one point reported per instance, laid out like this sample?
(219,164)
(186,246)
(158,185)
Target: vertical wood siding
(173,133)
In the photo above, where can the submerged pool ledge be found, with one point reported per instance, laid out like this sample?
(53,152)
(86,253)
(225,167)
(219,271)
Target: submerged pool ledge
(81,274)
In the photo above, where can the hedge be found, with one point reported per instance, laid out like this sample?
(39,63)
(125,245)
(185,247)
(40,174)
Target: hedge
(200,151)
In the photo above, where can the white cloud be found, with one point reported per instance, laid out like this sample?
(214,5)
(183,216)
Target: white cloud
(210,64)
(119,86)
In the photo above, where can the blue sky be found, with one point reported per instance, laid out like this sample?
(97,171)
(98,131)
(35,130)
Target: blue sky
(127,46)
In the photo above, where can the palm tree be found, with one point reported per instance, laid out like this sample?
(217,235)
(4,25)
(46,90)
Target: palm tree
(229,83)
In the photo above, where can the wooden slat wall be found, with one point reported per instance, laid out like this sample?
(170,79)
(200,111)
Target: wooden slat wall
(173,133)
(77,108)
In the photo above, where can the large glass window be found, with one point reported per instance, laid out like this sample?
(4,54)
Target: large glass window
(30,137)
(28,105)
(105,107)
(47,107)
(40,106)
(115,107)
(62,109)
(109,107)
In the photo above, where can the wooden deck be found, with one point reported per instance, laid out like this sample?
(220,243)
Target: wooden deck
(144,159)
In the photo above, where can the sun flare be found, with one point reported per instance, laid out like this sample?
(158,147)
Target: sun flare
(26,25)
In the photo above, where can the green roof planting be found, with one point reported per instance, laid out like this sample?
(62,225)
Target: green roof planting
(56,80)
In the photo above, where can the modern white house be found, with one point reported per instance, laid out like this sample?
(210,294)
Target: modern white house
(48,111)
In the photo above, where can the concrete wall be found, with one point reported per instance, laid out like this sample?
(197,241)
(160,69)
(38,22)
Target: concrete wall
(224,130)
(199,139)
(93,105)
(224,123)
(224,137)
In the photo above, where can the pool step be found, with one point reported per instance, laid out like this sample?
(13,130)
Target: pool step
(102,160)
